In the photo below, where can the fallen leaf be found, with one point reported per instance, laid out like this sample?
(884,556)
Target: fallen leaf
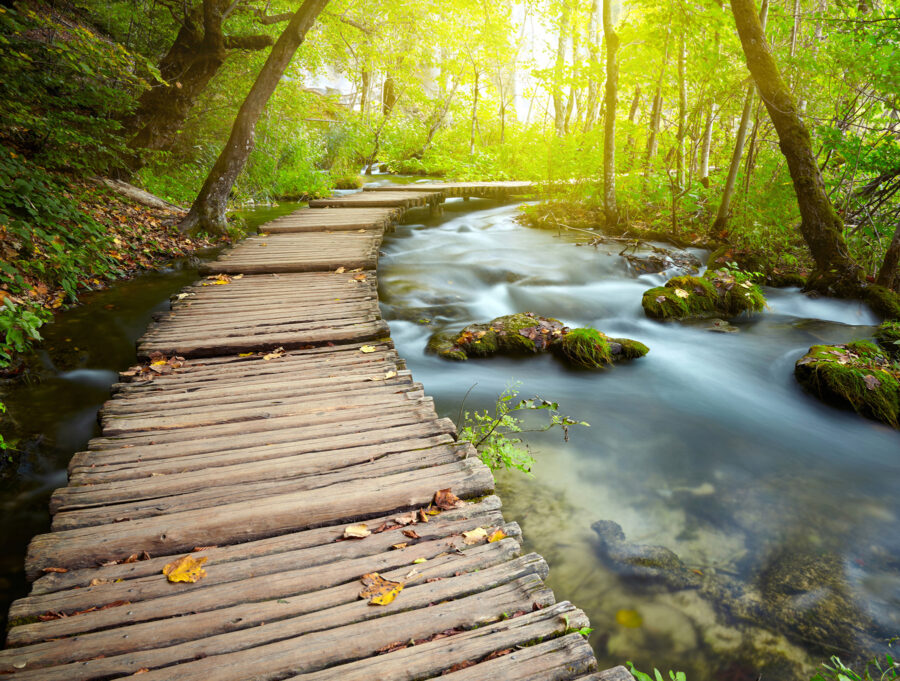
(401,545)
(445,500)
(405,519)
(275,354)
(390,374)
(356,531)
(660,299)
(367,348)
(871,382)
(55,569)
(419,561)
(97,581)
(474,536)
(496,535)
(246,354)
(204,548)
(186,569)
(238,276)
(412,534)
(422,517)
(681,293)
(360,277)
(629,618)
(340,270)
(378,590)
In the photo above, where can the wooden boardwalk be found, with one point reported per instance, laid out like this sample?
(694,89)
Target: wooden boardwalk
(271,413)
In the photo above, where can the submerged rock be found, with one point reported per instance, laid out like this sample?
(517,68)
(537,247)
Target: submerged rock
(662,259)
(888,337)
(717,292)
(859,375)
(527,334)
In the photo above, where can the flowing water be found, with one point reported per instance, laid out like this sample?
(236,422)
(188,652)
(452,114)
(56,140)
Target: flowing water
(706,446)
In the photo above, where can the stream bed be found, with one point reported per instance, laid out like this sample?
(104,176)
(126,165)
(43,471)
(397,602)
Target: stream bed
(707,446)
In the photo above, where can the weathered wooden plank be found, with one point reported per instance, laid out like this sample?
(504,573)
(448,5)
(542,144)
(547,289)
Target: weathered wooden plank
(561,659)
(425,659)
(261,481)
(335,219)
(201,625)
(153,598)
(487,508)
(406,199)
(240,521)
(307,642)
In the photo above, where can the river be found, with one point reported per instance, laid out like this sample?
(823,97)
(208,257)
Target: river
(706,446)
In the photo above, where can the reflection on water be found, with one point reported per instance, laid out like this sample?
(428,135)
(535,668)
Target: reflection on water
(707,446)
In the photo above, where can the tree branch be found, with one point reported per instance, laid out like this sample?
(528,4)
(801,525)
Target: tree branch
(248,42)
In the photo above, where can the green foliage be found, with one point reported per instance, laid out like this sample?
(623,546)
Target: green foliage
(494,435)
(657,675)
(875,670)
(19,326)
(63,90)
(586,348)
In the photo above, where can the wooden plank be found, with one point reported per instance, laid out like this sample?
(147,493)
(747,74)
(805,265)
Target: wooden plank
(240,522)
(561,659)
(259,481)
(488,507)
(307,643)
(430,658)
(138,636)
(335,219)
(407,199)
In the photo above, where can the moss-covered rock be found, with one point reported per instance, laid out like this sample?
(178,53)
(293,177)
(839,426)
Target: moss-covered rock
(717,292)
(883,301)
(859,375)
(526,333)
(888,337)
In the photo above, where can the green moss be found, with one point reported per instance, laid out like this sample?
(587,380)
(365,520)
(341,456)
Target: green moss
(736,293)
(717,292)
(883,301)
(785,279)
(631,349)
(526,333)
(859,375)
(888,336)
(443,344)
(348,182)
(586,348)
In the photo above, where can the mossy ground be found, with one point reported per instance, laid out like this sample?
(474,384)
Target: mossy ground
(859,375)
(586,348)
(888,337)
(717,292)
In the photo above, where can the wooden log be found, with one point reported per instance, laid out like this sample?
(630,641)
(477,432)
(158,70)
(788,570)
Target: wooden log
(486,510)
(430,658)
(243,655)
(241,521)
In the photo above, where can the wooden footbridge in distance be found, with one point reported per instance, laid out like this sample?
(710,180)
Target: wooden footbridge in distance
(271,422)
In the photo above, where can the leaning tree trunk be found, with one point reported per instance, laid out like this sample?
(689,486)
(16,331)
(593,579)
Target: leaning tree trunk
(611,97)
(820,225)
(199,50)
(208,211)
(721,222)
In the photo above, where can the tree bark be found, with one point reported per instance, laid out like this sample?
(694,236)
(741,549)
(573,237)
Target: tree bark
(682,113)
(656,111)
(559,106)
(199,50)
(820,225)
(208,211)
(721,222)
(474,121)
(706,144)
(593,59)
(611,97)
(889,274)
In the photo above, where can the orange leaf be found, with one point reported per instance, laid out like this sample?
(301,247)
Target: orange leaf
(378,590)
(496,535)
(186,569)
(445,500)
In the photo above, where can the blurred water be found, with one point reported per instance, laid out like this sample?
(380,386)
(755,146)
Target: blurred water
(706,446)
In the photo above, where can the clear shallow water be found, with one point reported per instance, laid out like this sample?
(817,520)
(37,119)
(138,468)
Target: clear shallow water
(707,446)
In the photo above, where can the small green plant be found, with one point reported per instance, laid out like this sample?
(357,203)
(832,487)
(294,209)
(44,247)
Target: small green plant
(494,434)
(875,670)
(657,675)
(584,631)
(3,445)
(19,326)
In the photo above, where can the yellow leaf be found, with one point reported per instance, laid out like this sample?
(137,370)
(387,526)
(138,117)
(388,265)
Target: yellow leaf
(401,545)
(390,374)
(629,618)
(246,354)
(356,531)
(419,561)
(367,348)
(238,276)
(220,282)
(186,569)
(275,354)
(159,362)
(378,590)
(474,536)
(496,535)
(340,270)
(681,293)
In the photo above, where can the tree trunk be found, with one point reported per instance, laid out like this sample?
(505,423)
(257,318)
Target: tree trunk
(388,96)
(559,106)
(609,125)
(889,274)
(706,144)
(474,121)
(721,222)
(573,91)
(593,59)
(632,115)
(656,111)
(208,211)
(365,78)
(820,225)
(682,113)
(199,50)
